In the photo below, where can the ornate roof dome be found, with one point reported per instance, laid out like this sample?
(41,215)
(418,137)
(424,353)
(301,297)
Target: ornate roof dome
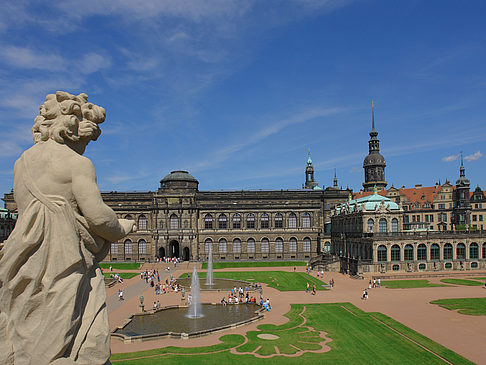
(179,175)
(373,159)
(179,181)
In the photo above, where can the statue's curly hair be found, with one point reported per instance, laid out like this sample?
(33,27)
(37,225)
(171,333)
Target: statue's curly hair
(66,116)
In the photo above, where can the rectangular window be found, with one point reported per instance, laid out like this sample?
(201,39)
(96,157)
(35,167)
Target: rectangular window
(426,217)
(307,246)
(442,206)
(475,218)
(481,219)
(128,249)
(278,246)
(114,248)
(431,218)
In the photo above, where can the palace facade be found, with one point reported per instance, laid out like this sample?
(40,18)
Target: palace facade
(179,220)
(415,229)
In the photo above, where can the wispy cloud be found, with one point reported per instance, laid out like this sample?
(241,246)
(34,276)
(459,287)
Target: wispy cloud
(355,170)
(272,127)
(450,158)
(24,57)
(473,157)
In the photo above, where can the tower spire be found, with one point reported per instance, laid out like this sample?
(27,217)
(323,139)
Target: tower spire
(335,183)
(373,132)
(372,115)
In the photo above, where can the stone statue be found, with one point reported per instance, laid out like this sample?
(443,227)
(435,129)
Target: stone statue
(52,293)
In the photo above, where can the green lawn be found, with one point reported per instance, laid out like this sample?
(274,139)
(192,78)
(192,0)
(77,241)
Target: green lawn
(462,282)
(123,275)
(476,278)
(121,265)
(470,306)
(357,337)
(224,265)
(405,284)
(281,280)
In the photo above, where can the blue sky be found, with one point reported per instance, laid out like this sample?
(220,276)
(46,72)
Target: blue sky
(237,91)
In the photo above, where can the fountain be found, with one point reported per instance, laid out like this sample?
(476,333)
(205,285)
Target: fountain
(209,274)
(185,322)
(195,304)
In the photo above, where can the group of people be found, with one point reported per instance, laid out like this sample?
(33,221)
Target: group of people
(373,283)
(116,277)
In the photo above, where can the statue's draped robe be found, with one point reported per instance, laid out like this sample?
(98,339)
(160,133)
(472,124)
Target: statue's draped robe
(52,294)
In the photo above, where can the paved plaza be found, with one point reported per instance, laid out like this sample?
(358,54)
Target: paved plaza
(463,334)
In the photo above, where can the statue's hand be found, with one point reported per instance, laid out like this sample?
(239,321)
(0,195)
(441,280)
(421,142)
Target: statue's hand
(128,225)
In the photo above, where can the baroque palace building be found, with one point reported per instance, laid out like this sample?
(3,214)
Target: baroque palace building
(440,227)
(179,220)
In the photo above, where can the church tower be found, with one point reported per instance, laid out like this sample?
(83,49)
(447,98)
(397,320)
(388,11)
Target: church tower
(374,163)
(309,175)
(462,203)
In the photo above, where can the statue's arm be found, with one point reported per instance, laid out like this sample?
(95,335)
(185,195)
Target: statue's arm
(101,218)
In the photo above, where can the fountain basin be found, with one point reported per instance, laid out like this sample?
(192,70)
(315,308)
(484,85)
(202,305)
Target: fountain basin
(219,284)
(172,322)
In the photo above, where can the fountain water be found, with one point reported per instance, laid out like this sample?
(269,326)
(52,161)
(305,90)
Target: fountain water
(195,304)
(209,275)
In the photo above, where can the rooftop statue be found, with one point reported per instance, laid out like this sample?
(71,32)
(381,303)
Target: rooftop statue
(52,293)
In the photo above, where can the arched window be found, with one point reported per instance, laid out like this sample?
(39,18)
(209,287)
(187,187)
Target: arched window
(128,216)
(306,220)
(250,245)
(293,245)
(435,252)
(371,224)
(265,245)
(236,221)
(307,245)
(236,245)
(394,225)
(395,253)
(447,251)
(278,220)
(142,247)
(383,225)
(292,220)
(473,251)
(408,253)
(174,221)
(207,243)
(264,224)
(327,247)
(222,221)
(208,221)
(461,251)
(250,221)
(142,223)
(114,248)
(381,253)
(279,245)
(223,245)
(128,247)
(422,252)
(484,250)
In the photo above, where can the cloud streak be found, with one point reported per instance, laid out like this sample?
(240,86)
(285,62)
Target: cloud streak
(473,157)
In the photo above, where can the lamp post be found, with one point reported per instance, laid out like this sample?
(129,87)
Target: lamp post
(142,307)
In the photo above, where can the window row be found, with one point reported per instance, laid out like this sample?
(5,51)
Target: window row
(434,253)
(142,222)
(382,225)
(128,247)
(251,222)
(250,245)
